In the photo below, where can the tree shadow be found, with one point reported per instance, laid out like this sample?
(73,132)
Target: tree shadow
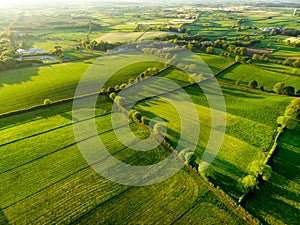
(3,219)
(277,199)
(225,175)
(265,202)
(17,76)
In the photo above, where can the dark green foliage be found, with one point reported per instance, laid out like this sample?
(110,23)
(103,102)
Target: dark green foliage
(288,90)
(145,120)
(110,89)
(253,84)
(137,115)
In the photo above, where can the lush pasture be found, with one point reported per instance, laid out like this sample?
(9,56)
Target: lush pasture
(277,201)
(181,199)
(280,50)
(45,179)
(119,37)
(30,86)
(277,67)
(153,34)
(265,78)
(246,132)
(216,63)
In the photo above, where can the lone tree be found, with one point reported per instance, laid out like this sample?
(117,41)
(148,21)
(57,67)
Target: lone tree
(119,100)
(249,183)
(253,84)
(187,155)
(47,101)
(278,88)
(112,95)
(136,115)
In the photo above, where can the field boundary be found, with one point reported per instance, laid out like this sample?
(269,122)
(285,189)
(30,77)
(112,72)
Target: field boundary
(228,200)
(275,71)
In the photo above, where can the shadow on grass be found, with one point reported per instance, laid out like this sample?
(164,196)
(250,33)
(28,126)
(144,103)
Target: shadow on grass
(225,175)
(276,201)
(266,205)
(3,219)
(17,76)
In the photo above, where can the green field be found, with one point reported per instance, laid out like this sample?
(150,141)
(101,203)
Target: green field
(278,68)
(119,37)
(216,63)
(58,173)
(47,171)
(277,201)
(30,86)
(248,133)
(265,78)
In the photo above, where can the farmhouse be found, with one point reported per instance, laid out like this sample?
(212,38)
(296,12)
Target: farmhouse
(269,29)
(30,51)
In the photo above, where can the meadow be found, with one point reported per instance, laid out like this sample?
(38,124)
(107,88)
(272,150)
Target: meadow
(249,134)
(277,201)
(244,74)
(31,86)
(46,180)
(278,68)
(59,172)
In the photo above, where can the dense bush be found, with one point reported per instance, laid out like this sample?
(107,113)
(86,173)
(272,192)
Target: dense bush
(253,84)
(110,89)
(278,88)
(288,90)
(112,95)
(145,120)
(47,101)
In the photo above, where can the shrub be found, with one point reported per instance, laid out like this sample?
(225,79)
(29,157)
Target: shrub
(119,100)
(145,120)
(278,88)
(238,82)
(130,81)
(253,84)
(110,89)
(288,90)
(103,90)
(117,87)
(47,101)
(298,93)
(112,95)
(249,183)
(262,88)
(136,115)
(122,86)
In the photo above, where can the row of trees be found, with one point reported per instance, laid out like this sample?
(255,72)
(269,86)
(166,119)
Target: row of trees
(94,45)
(279,88)
(259,170)
(7,54)
(147,73)
(291,115)
(286,61)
